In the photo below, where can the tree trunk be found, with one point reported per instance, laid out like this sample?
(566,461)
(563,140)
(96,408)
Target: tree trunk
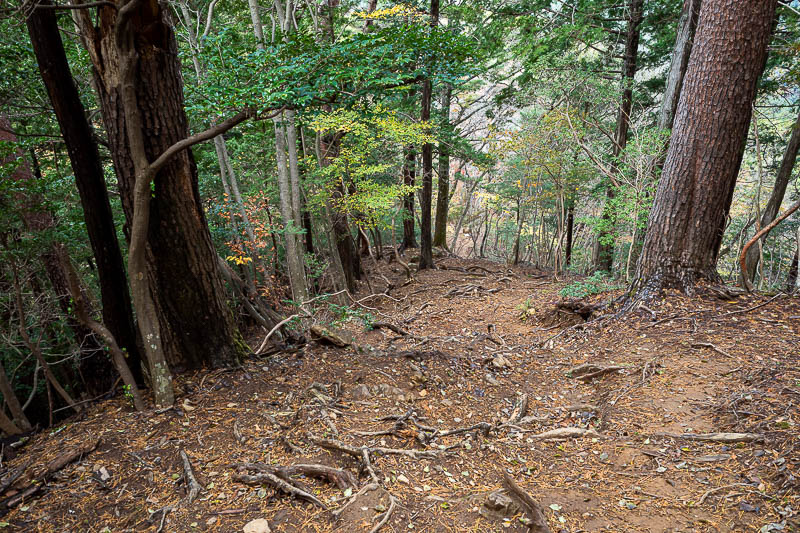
(793,280)
(605,245)
(778,193)
(443,196)
(426,248)
(694,195)
(409,177)
(294,262)
(570,228)
(196,328)
(90,180)
(21,421)
(680,60)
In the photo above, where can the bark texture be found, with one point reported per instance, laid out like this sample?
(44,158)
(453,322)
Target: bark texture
(695,192)
(196,326)
(90,180)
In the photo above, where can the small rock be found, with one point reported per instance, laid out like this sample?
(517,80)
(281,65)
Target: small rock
(491,381)
(403,479)
(259,525)
(498,505)
(501,362)
(103,474)
(361,392)
(389,391)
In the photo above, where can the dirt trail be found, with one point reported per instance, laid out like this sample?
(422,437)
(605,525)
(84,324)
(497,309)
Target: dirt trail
(693,366)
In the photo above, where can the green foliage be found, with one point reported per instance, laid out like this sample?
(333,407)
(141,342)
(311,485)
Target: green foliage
(344,313)
(597,283)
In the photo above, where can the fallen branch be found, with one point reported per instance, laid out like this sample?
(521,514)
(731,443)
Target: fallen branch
(192,485)
(331,444)
(726,438)
(566,433)
(587,372)
(538,523)
(709,492)
(39,481)
(741,311)
(390,326)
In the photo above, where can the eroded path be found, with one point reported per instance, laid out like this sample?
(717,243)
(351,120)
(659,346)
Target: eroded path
(461,359)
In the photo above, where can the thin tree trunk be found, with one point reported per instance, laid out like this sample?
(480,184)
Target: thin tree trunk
(293,261)
(793,280)
(680,61)
(21,421)
(778,192)
(467,204)
(570,227)
(443,195)
(605,248)
(426,248)
(409,176)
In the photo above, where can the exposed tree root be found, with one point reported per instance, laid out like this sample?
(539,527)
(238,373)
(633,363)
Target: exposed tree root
(538,522)
(193,487)
(726,438)
(266,475)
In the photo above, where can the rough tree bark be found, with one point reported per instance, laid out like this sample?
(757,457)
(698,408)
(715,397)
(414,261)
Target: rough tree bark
(178,265)
(695,192)
(605,245)
(90,180)
(426,199)
(778,192)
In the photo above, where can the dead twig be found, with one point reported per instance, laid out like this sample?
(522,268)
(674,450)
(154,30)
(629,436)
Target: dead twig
(711,346)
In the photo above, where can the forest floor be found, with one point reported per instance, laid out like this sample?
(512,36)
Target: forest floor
(632,462)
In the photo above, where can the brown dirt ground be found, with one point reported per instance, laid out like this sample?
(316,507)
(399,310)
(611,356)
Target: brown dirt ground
(629,479)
